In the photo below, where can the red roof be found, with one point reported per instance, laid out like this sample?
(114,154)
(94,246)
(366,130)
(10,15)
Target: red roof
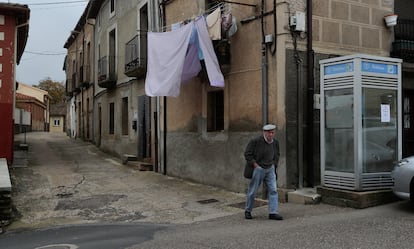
(20,96)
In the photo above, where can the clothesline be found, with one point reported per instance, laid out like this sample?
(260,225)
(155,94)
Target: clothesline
(223,7)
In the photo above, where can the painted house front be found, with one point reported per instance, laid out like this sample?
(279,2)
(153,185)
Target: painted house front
(35,101)
(13,36)
(58,118)
(80,69)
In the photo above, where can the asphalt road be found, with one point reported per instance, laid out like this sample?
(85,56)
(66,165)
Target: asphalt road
(92,236)
(67,195)
(382,227)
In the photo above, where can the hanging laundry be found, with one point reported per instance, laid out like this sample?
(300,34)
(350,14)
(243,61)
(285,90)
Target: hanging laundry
(192,65)
(166,55)
(175,26)
(215,75)
(226,21)
(174,57)
(233,28)
(214,24)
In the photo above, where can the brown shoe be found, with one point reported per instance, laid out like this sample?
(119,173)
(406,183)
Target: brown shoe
(275,217)
(248,215)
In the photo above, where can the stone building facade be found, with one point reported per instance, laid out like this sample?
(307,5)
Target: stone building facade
(79,67)
(278,86)
(270,64)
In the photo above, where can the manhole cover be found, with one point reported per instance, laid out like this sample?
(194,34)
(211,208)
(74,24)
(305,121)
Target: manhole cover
(207,201)
(242,205)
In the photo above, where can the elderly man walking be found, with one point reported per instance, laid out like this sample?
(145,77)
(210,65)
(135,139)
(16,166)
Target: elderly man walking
(262,153)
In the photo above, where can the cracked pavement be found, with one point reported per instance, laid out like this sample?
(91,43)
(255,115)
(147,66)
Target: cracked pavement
(61,181)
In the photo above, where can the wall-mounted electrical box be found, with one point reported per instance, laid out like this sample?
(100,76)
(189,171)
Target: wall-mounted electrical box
(298,21)
(269,39)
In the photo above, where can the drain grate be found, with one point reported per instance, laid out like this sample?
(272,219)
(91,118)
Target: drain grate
(242,205)
(207,201)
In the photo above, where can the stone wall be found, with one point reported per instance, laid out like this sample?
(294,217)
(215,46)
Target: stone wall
(352,26)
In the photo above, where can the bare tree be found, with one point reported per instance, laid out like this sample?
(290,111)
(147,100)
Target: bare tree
(55,89)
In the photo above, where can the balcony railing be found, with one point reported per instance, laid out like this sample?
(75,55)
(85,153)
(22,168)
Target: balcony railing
(85,76)
(68,88)
(75,85)
(404,30)
(136,55)
(106,72)
(403,45)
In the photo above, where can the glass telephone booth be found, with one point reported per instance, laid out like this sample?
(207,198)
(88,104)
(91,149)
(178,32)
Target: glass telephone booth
(360,121)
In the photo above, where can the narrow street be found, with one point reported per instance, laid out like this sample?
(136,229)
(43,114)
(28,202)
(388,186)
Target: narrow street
(66,181)
(68,194)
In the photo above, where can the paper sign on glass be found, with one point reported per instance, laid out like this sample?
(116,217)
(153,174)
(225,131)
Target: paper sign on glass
(385,113)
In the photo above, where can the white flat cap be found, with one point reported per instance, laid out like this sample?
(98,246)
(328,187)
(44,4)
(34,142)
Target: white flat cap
(269,127)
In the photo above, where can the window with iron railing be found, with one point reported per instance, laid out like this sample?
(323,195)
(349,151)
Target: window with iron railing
(136,55)
(81,74)
(403,45)
(106,68)
(73,81)
(86,73)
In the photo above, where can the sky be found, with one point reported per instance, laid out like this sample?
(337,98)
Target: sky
(51,22)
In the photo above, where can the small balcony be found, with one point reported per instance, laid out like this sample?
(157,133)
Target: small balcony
(403,45)
(136,56)
(106,72)
(75,85)
(84,74)
(68,90)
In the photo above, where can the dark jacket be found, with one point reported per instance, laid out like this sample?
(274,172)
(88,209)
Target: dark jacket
(257,150)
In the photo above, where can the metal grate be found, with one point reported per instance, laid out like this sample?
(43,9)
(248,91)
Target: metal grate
(346,81)
(242,205)
(341,182)
(207,201)
(377,181)
(379,81)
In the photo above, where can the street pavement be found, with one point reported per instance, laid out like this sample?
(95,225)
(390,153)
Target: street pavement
(61,181)
(69,194)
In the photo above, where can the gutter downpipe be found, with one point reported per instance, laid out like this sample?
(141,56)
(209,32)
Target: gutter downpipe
(164,23)
(154,23)
(264,82)
(310,102)
(93,72)
(264,69)
(16,29)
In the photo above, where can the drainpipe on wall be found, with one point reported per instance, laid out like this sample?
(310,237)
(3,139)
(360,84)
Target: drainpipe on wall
(299,108)
(91,21)
(310,82)
(164,23)
(155,27)
(264,69)
(16,28)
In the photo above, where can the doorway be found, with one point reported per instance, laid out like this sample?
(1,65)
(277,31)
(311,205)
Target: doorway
(408,123)
(144,127)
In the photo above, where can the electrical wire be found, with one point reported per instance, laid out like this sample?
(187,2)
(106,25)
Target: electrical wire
(44,53)
(55,3)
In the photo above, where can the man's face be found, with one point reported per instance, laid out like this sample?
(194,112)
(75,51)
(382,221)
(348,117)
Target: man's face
(269,135)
